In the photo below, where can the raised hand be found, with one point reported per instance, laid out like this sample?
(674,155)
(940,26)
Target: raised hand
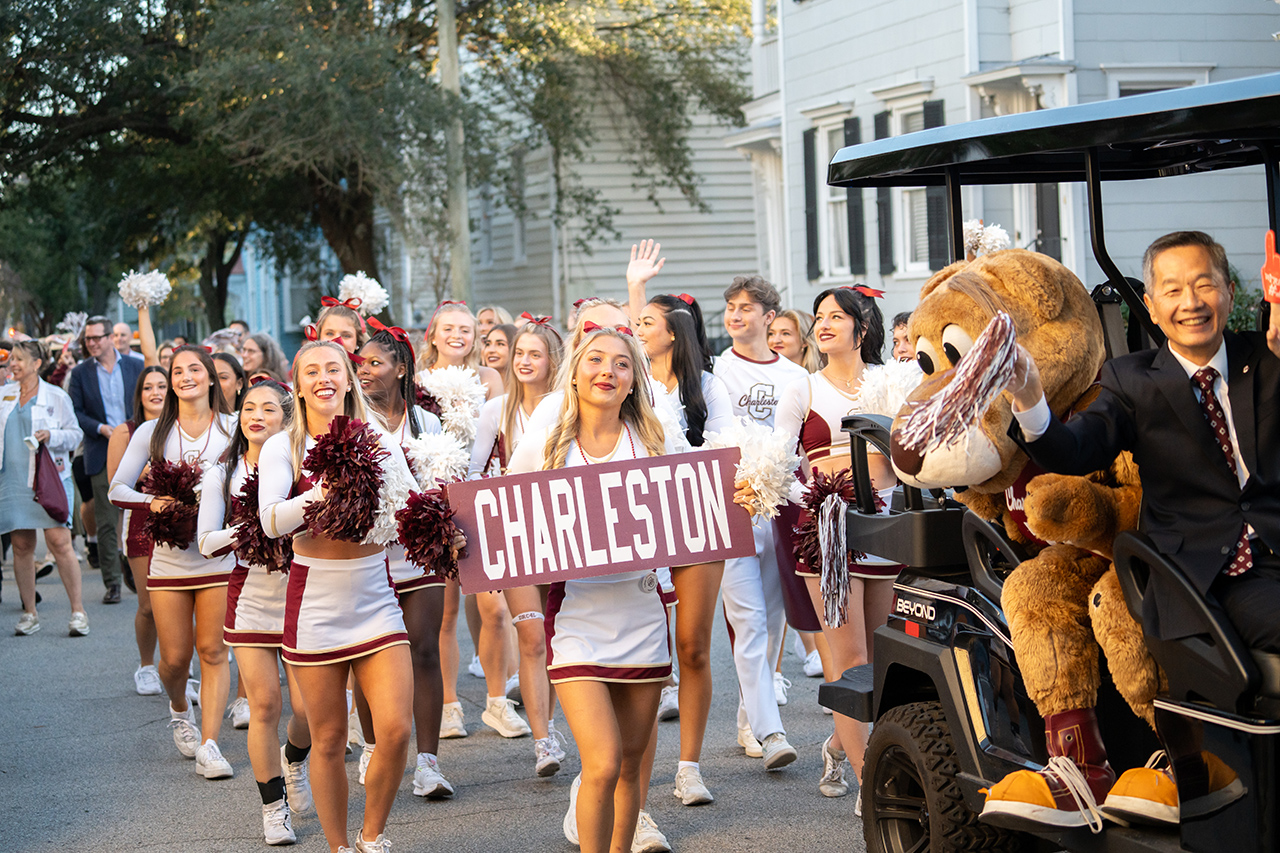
(645,263)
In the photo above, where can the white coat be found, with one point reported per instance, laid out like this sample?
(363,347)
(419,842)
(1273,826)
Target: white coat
(52,411)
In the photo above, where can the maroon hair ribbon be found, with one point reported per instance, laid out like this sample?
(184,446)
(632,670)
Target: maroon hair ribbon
(589,327)
(577,303)
(869,292)
(353,303)
(537,321)
(685,298)
(395,332)
(310,332)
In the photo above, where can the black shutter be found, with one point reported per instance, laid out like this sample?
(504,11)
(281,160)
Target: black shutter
(853,208)
(884,207)
(1048,224)
(811,203)
(935,201)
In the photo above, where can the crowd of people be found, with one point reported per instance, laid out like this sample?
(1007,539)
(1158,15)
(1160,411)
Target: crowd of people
(368,639)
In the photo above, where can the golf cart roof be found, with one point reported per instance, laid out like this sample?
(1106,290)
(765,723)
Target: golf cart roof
(1175,132)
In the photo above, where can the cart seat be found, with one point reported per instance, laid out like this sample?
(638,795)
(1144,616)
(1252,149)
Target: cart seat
(1213,667)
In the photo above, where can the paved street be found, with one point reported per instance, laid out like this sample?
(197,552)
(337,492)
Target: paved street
(88,765)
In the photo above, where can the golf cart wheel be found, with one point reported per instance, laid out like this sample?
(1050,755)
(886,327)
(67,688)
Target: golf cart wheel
(910,800)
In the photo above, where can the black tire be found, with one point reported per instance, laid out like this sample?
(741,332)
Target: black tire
(910,800)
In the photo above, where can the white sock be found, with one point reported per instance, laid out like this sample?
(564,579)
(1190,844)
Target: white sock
(492,699)
(684,764)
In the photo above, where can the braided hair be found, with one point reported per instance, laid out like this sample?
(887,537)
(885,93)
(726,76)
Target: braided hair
(401,354)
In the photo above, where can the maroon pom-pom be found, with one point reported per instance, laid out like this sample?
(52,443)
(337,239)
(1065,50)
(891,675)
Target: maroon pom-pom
(253,546)
(427,531)
(427,401)
(821,486)
(348,460)
(174,526)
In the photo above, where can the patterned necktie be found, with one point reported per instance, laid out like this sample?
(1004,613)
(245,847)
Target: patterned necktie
(1204,379)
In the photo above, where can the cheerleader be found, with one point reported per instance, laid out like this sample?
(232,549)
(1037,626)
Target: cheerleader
(193,429)
(668,330)
(341,323)
(255,619)
(386,377)
(450,341)
(495,350)
(341,613)
(535,361)
(608,649)
(148,401)
(849,329)
(791,336)
(231,379)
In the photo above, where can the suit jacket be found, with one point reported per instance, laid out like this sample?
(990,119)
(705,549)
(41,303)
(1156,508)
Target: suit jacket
(1193,506)
(86,398)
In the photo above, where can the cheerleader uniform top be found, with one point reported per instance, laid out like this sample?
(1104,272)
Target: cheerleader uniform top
(212,533)
(714,393)
(203,450)
(284,494)
(492,444)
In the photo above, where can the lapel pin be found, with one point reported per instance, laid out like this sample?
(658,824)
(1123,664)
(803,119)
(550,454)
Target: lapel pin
(1246,369)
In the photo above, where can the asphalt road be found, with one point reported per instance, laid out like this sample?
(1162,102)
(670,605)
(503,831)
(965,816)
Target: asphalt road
(88,765)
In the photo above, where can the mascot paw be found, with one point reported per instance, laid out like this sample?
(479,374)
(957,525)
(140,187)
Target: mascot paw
(1062,508)
(1062,794)
(1144,795)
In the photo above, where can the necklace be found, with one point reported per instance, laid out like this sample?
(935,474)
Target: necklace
(194,456)
(848,383)
(588,460)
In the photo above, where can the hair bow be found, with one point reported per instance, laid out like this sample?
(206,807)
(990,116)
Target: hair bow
(207,349)
(537,321)
(254,380)
(589,327)
(353,303)
(577,303)
(395,332)
(356,359)
(310,332)
(869,292)
(685,298)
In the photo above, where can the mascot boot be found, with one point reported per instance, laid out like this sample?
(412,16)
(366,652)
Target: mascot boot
(1065,793)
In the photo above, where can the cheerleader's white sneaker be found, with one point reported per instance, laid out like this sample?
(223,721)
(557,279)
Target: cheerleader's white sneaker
(297,783)
(210,764)
(690,789)
(379,845)
(186,734)
(648,838)
(79,624)
(669,703)
(781,684)
(512,689)
(193,692)
(239,713)
(833,782)
(428,781)
(365,755)
(748,742)
(475,668)
(500,715)
(777,752)
(813,664)
(546,762)
(451,725)
(571,816)
(146,680)
(277,826)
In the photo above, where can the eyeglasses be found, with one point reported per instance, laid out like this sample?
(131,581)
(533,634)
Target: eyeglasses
(89,339)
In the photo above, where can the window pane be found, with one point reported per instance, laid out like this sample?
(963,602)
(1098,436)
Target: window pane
(835,141)
(837,236)
(911,122)
(917,222)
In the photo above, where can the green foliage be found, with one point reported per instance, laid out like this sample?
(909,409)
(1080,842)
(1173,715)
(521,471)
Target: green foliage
(1244,311)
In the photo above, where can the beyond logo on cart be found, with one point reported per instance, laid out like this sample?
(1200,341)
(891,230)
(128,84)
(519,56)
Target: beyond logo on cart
(914,609)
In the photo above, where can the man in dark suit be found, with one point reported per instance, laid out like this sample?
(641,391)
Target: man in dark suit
(1200,415)
(101,392)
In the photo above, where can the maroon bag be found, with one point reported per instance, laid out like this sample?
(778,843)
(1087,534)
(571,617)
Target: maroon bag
(47,485)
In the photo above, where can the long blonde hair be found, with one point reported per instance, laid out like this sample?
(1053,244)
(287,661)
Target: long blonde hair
(515,397)
(428,355)
(810,358)
(637,409)
(354,404)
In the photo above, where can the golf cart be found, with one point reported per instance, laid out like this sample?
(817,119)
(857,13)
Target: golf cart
(950,712)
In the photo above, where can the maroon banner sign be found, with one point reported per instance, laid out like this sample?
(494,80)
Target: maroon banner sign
(601,519)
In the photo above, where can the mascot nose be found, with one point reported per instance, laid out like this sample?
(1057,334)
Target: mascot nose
(906,460)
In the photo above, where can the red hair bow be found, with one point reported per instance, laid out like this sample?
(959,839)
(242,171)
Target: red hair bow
(254,380)
(589,327)
(207,349)
(537,321)
(869,292)
(685,298)
(357,360)
(395,332)
(310,332)
(577,303)
(353,303)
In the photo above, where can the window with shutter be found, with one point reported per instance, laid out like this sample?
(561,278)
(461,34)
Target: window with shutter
(855,217)
(813,259)
(933,114)
(884,205)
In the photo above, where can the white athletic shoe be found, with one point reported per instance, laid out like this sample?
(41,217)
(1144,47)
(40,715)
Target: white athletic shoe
(833,782)
(500,715)
(777,752)
(277,827)
(669,704)
(210,764)
(512,690)
(797,647)
(428,781)
(193,691)
(381,844)
(781,685)
(546,763)
(186,734)
(451,724)
(355,736)
(146,680)
(297,783)
(475,668)
(79,624)
(690,788)
(557,742)
(366,754)
(813,664)
(648,838)
(28,624)
(239,713)
(748,741)
(571,816)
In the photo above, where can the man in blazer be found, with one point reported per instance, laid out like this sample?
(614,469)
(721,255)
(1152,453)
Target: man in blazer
(101,392)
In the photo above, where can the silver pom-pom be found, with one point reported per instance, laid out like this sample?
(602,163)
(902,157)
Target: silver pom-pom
(885,388)
(768,463)
(460,394)
(373,296)
(139,289)
(436,458)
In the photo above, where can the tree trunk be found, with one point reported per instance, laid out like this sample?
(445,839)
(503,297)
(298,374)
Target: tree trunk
(346,220)
(215,273)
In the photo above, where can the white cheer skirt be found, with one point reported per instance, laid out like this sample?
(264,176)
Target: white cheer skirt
(612,628)
(337,610)
(405,576)
(255,607)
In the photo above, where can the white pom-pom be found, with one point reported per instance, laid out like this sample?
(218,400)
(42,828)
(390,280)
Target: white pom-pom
(460,394)
(994,239)
(373,296)
(768,462)
(138,289)
(972,236)
(437,458)
(885,388)
(394,494)
(676,439)
(223,340)
(305,321)
(72,323)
